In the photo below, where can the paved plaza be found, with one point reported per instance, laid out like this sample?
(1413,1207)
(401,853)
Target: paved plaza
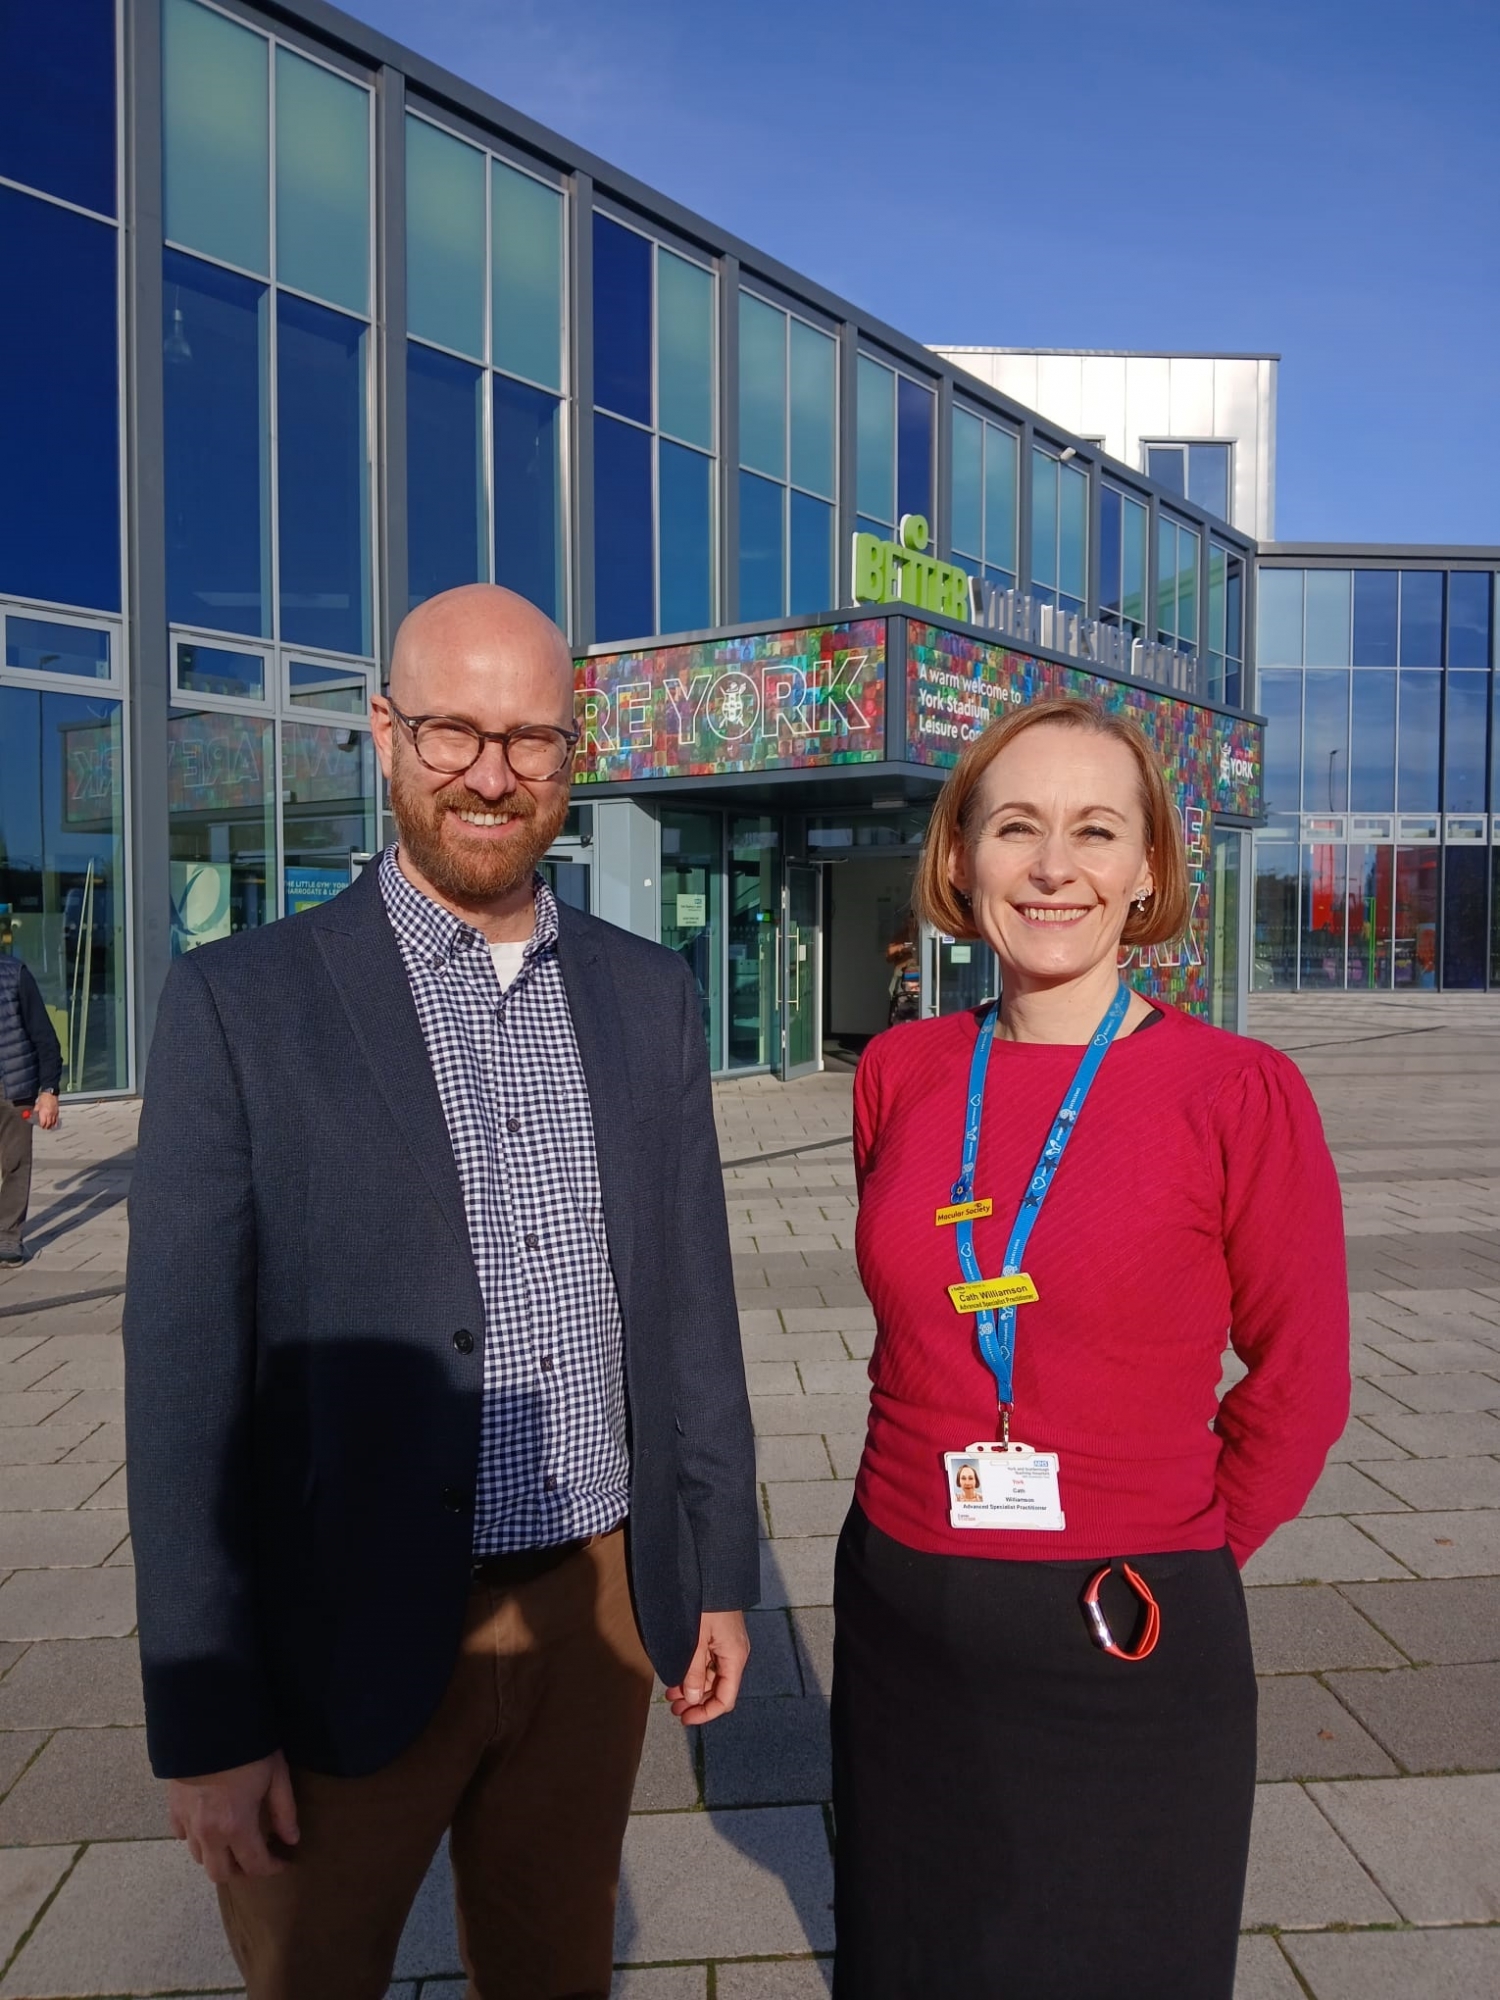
(1375,1873)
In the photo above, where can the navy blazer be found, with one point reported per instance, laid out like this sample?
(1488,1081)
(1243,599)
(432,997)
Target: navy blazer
(302,1415)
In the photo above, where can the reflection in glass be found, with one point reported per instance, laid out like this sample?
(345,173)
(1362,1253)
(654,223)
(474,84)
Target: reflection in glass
(57,101)
(1208,478)
(1279,696)
(875,474)
(216,670)
(1414,946)
(1167,465)
(762,535)
(1134,535)
(1325,743)
(221,806)
(812,555)
(1417,775)
(528,495)
(1328,617)
(967,530)
(1375,618)
(216,180)
(59,403)
(684,481)
(1323,916)
(622,321)
(692,884)
(322,183)
(762,387)
(328,809)
(328,684)
(323,487)
(446,517)
(1072,538)
(1468,618)
(1274,968)
(1001,467)
(62,894)
(684,350)
(1372,877)
(1278,633)
(752,1014)
(41,646)
(1464,744)
(914,420)
(1465,918)
(1044,470)
(1421,617)
(526,236)
(624,545)
(1372,760)
(444,239)
(1111,512)
(217,448)
(814,408)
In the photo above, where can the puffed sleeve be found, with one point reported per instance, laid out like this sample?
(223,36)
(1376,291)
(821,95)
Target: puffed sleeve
(866,1111)
(1284,1244)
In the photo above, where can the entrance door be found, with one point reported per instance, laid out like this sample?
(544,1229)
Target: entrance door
(801,1002)
(956,975)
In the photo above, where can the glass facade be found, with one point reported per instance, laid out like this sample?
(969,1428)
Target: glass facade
(983,517)
(1196,472)
(1059,531)
(896,419)
(1124,535)
(788,482)
(1374,870)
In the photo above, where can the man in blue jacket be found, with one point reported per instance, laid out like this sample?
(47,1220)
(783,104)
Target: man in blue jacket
(437,1423)
(30,1071)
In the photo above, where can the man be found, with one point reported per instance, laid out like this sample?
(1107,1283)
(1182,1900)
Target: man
(30,1071)
(437,1421)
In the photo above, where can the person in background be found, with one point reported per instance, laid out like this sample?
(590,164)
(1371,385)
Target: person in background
(905,989)
(30,1071)
(1068,1203)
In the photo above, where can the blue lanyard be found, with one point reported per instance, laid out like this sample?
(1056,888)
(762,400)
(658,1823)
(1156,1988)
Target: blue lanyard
(997,1329)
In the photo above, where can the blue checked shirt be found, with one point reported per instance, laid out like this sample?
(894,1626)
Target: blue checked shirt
(552,1459)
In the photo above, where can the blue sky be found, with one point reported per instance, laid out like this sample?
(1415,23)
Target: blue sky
(1314,178)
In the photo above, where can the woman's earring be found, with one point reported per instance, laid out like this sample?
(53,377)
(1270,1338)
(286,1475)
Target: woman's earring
(1141,898)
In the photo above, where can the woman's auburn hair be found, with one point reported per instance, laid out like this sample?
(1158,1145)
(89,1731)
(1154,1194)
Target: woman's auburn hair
(1165,914)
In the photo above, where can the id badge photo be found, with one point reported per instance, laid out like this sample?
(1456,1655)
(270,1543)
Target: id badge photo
(1003,1486)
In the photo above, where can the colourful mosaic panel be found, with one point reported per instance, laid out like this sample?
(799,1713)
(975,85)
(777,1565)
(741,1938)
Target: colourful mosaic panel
(777,701)
(957,685)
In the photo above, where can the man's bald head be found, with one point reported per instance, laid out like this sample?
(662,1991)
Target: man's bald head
(477,645)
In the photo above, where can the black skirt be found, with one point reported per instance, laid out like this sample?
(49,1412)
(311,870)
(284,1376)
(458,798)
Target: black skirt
(1019,1813)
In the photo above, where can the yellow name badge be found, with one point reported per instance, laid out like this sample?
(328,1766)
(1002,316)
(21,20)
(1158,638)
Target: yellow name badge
(1016,1290)
(965,1211)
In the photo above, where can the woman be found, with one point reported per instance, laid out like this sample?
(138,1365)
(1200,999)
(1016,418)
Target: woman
(1059,1266)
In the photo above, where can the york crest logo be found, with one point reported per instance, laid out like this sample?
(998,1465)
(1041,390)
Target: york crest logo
(1233,769)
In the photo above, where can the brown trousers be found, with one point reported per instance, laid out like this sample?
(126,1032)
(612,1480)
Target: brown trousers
(15,1173)
(530,1761)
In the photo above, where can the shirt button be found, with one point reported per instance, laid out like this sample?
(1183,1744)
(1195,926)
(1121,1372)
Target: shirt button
(533,1241)
(550,1482)
(455,1499)
(463,1340)
(513,1123)
(546,1364)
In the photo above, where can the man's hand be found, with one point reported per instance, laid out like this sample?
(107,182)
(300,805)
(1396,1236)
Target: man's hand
(225,1817)
(48,1110)
(711,1685)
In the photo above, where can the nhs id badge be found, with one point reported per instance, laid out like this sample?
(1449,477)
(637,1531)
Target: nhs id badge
(1003,1486)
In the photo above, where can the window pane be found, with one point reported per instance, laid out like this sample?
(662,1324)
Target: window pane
(528,495)
(1278,637)
(328,684)
(221,818)
(446,524)
(914,421)
(1187,589)
(1325,743)
(1372,775)
(812,555)
(1274,966)
(526,220)
(1072,536)
(1415,948)
(692,887)
(59,406)
(1043,518)
(1167,465)
(1372,883)
(1134,528)
(875,477)
(752,1022)
(624,544)
(1217,606)
(622,324)
(1417,778)
(685,349)
(38,646)
(1110,511)
(968,485)
(1328,618)
(216,670)
(1324,907)
(1279,698)
(62,870)
(1166,581)
(1375,618)
(322,183)
(1468,618)
(215,136)
(1464,744)
(762,388)
(218,450)
(1000,456)
(322,478)
(1465,899)
(814,398)
(57,99)
(1421,617)
(444,239)
(1208,478)
(687,596)
(327,811)
(761,540)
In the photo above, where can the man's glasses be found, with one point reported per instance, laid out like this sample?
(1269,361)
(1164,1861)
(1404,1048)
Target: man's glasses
(535,750)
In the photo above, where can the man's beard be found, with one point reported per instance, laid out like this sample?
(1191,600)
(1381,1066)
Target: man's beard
(472,871)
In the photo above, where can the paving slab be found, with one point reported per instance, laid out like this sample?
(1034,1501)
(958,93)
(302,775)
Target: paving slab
(845,1449)
(133,1917)
(1453,1544)
(87,1784)
(812,1633)
(27,1878)
(663,1982)
(67,1604)
(1439,1483)
(1432,1357)
(808,1506)
(1301,1628)
(725,1885)
(1430,1718)
(74,1684)
(112,1493)
(24,1488)
(1304,1732)
(1445,1621)
(27,1407)
(667,1780)
(1399,1965)
(1302,1876)
(105,1444)
(1346,1489)
(44,1444)
(429,1943)
(1331,1550)
(1262,1973)
(804,1457)
(773,1670)
(1362,1444)
(794,1571)
(788,1416)
(768,1753)
(1433,1844)
(784,1979)
(58,1541)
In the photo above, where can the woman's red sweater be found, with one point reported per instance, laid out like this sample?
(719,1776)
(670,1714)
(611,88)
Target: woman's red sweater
(1196,1204)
